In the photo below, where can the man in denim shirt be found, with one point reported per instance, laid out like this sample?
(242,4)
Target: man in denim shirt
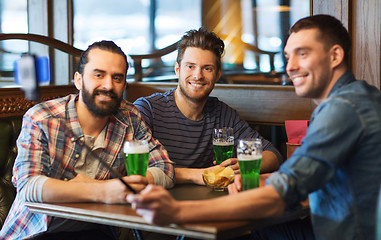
(338,166)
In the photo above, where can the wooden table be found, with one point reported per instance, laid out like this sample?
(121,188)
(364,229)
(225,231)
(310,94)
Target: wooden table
(122,215)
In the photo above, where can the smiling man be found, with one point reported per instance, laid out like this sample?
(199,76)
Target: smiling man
(338,165)
(53,165)
(183,119)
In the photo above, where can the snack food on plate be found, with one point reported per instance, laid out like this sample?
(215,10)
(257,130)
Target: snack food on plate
(219,177)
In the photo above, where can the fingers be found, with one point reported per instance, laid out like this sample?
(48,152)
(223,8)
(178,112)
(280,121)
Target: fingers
(136,179)
(143,200)
(233,163)
(232,189)
(237,181)
(147,215)
(155,205)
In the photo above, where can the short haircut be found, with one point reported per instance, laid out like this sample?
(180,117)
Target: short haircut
(331,31)
(103,45)
(203,39)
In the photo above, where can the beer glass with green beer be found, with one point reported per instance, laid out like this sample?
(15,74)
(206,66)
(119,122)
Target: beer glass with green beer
(249,153)
(223,144)
(136,157)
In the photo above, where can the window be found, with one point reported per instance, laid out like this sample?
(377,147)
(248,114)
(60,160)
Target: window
(266,24)
(141,26)
(137,26)
(13,19)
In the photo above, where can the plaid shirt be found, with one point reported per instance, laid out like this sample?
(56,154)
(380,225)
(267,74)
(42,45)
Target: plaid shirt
(47,146)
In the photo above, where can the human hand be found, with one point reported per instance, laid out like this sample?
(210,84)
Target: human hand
(115,191)
(232,162)
(155,205)
(235,187)
(137,182)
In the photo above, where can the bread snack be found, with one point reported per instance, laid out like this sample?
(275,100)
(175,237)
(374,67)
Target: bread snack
(218,177)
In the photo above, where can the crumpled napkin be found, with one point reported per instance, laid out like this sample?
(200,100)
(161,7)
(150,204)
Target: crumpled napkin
(296,130)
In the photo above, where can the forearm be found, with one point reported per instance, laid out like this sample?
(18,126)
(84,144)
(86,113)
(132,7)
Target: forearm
(55,190)
(107,191)
(270,162)
(254,204)
(189,175)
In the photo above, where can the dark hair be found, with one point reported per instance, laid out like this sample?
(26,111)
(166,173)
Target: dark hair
(203,39)
(331,31)
(103,45)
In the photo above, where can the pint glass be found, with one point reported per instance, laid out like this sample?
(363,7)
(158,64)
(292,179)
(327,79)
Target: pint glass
(249,153)
(223,144)
(136,157)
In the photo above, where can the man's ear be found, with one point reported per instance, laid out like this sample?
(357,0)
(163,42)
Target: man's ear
(219,75)
(177,69)
(78,81)
(337,55)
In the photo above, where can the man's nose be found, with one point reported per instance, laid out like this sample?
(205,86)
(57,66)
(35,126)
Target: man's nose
(197,74)
(107,82)
(292,64)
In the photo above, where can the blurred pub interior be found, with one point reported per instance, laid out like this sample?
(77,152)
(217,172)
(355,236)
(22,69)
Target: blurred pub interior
(254,32)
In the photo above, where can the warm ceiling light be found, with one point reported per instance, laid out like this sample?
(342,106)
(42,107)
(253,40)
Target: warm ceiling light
(273,8)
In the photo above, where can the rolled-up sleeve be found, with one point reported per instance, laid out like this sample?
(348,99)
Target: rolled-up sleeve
(328,144)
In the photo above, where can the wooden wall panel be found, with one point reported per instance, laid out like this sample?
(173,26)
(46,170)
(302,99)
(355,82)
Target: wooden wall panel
(366,32)
(259,104)
(323,7)
(363,21)
(338,8)
(13,102)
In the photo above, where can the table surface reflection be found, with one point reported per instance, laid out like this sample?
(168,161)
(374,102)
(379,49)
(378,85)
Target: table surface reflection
(122,215)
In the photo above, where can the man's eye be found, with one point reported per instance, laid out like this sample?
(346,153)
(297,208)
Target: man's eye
(302,54)
(118,79)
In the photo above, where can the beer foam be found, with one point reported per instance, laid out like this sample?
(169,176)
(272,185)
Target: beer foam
(136,149)
(253,157)
(217,143)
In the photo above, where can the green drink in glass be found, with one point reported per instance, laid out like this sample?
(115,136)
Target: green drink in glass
(136,157)
(249,153)
(223,144)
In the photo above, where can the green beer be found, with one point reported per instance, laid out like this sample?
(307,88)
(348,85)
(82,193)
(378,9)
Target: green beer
(223,144)
(249,154)
(249,169)
(136,154)
(223,151)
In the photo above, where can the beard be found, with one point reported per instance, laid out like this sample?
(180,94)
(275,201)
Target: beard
(103,109)
(192,98)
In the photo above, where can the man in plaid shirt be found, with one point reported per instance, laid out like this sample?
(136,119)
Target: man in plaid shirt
(54,166)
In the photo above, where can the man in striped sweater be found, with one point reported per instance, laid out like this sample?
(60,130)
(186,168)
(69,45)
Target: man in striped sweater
(183,119)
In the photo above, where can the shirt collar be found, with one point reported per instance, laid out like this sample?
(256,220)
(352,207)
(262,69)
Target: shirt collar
(72,118)
(345,79)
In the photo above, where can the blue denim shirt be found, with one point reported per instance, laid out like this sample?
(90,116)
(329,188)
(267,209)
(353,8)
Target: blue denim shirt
(338,165)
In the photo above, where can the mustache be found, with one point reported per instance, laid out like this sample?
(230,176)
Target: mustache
(104,92)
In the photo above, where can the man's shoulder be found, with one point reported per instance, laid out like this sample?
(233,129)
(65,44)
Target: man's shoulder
(214,102)
(159,96)
(128,107)
(156,99)
(49,109)
(356,92)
